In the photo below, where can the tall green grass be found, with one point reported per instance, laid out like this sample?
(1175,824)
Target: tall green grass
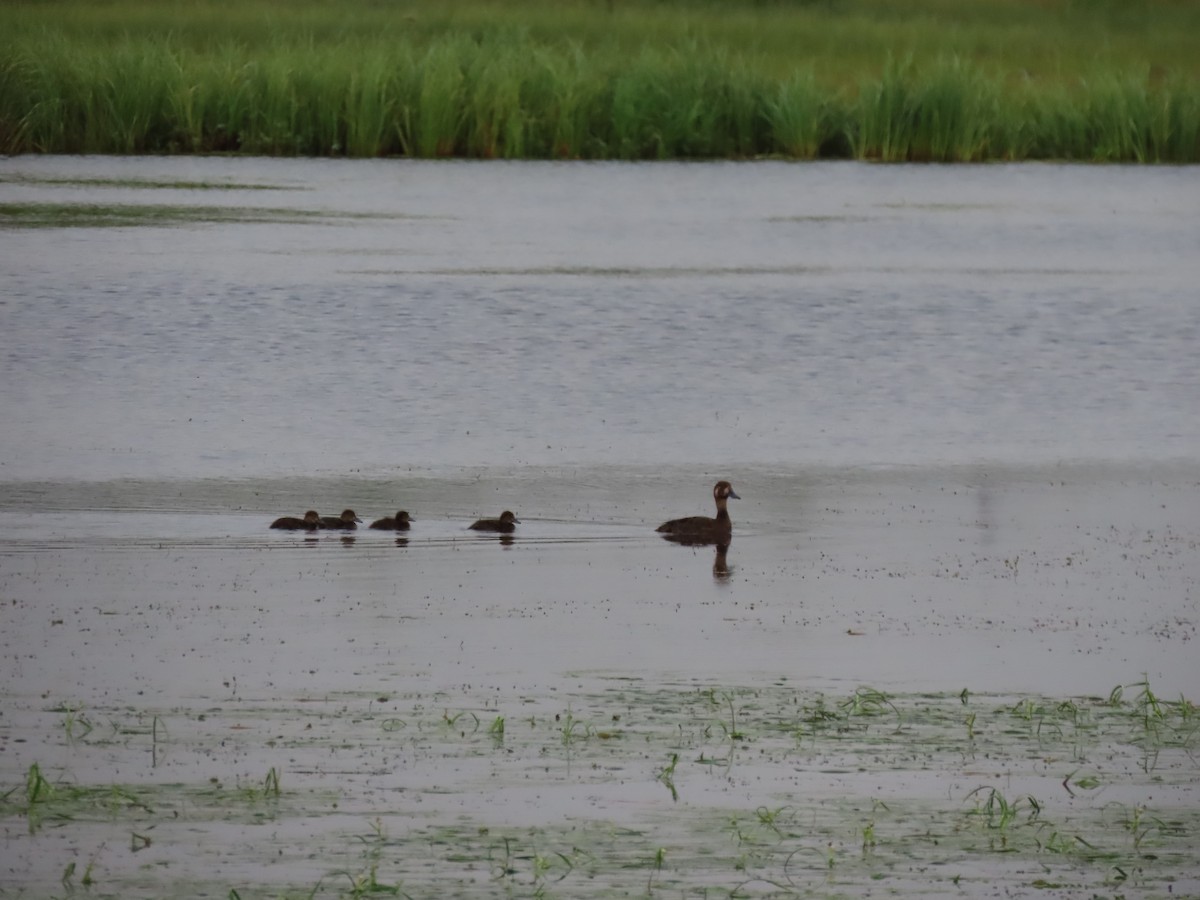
(923,80)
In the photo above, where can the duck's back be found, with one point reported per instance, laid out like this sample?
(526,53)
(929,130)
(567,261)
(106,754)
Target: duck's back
(310,522)
(291,523)
(493,525)
(506,524)
(347,521)
(696,525)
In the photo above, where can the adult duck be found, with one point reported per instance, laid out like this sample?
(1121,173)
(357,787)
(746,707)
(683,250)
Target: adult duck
(703,529)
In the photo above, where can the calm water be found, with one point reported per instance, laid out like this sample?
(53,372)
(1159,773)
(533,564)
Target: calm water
(960,406)
(511,314)
(900,368)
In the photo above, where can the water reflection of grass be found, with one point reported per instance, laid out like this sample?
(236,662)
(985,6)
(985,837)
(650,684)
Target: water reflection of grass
(146,183)
(102,215)
(921,80)
(768,789)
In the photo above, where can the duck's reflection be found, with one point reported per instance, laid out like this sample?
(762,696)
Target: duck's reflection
(720,566)
(401,542)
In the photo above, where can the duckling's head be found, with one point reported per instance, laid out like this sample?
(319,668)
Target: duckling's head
(507,517)
(402,516)
(312,517)
(349,516)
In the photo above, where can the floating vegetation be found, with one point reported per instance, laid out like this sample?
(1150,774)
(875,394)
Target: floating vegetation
(44,802)
(768,790)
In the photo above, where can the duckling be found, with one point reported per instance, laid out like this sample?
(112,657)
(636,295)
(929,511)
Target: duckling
(345,522)
(702,529)
(310,522)
(400,523)
(506,524)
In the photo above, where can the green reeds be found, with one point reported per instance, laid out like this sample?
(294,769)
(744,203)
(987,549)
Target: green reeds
(946,114)
(530,79)
(799,115)
(441,96)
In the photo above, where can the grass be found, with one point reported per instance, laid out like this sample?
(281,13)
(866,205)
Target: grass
(813,795)
(929,80)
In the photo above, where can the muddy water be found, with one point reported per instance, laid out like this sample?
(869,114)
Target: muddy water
(959,407)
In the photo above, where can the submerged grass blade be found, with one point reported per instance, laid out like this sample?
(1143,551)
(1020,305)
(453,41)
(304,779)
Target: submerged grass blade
(813,825)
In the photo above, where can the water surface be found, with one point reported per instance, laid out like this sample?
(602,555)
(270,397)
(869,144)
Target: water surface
(466,314)
(960,406)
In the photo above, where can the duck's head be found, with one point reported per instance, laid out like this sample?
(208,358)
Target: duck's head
(508,517)
(349,516)
(723,490)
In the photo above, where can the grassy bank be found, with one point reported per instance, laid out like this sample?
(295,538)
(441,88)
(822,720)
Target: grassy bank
(919,80)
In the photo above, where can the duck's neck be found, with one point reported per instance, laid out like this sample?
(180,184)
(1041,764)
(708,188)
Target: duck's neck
(722,511)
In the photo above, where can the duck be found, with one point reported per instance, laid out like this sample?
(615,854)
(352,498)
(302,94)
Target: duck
(702,529)
(310,522)
(346,521)
(506,524)
(399,523)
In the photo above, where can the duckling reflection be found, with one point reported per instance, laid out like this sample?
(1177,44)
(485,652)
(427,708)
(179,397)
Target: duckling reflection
(401,542)
(506,524)
(347,521)
(310,522)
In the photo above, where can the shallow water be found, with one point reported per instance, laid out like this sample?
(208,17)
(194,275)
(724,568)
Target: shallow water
(959,405)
